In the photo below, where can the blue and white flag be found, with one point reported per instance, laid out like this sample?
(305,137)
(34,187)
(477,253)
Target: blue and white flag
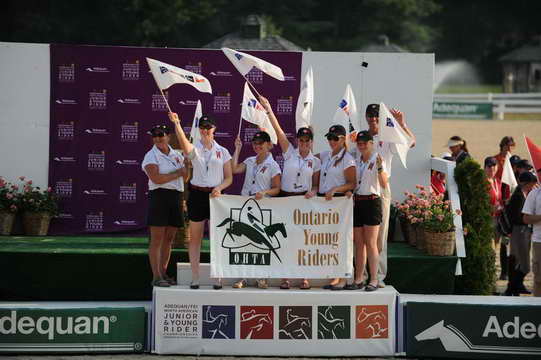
(390,131)
(167,75)
(253,112)
(245,62)
(195,135)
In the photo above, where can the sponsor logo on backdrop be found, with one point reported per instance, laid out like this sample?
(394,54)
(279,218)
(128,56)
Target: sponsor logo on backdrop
(64,188)
(280,160)
(221,73)
(256,322)
(129,101)
(97,69)
(333,322)
(96,161)
(52,327)
(284,105)
(66,102)
(249,131)
(66,159)
(129,132)
(251,237)
(127,162)
(97,192)
(65,216)
(188,102)
(290,78)
(181,321)
(65,131)
(125,222)
(96,131)
(158,102)
(128,193)
(255,76)
(295,322)
(130,71)
(372,322)
(97,100)
(66,73)
(218,322)
(222,103)
(195,68)
(94,222)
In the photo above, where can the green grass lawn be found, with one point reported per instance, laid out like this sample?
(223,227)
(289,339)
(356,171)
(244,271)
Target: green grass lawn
(469,89)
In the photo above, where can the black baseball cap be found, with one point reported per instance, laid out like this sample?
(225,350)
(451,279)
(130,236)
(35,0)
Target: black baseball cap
(305,131)
(524,164)
(206,120)
(527,177)
(159,129)
(336,130)
(490,161)
(514,159)
(261,136)
(364,136)
(372,110)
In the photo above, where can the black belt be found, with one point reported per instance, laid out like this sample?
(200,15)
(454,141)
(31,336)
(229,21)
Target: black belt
(335,195)
(365,197)
(201,188)
(287,193)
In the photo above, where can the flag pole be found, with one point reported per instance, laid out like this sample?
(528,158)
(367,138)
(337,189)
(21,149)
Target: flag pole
(166,102)
(251,85)
(240,123)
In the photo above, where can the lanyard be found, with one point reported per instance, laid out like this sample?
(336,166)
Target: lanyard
(255,170)
(300,167)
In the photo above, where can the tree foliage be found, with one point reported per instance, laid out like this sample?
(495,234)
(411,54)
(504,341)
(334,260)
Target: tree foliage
(479,270)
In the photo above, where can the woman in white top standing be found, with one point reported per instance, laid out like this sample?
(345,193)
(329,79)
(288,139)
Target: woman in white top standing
(262,177)
(212,174)
(367,211)
(301,168)
(337,176)
(165,170)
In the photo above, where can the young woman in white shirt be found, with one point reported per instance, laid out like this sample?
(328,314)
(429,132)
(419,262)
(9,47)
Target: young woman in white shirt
(212,174)
(367,212)
(300,176)
(337,177)
(262,177)
(165,170)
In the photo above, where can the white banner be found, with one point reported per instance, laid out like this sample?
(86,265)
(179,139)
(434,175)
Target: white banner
(289,237)
(273,322)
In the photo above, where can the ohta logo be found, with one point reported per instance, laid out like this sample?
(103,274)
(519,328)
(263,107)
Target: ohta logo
(251,236)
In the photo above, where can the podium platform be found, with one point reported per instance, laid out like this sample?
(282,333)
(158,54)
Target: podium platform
(274,322)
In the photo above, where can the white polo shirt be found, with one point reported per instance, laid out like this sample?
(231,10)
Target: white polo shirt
(532,206)
(298,171)
(259,177)
(367,175)
(166,165)
(332,176)
(208,164)
(386,150)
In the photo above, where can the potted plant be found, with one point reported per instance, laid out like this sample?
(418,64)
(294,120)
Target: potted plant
(38,207)
(8,206)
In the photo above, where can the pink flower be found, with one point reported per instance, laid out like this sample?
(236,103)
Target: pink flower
(31,200)
(419,186)
(9,196)
(21,178)
(13,208)
(458,212)
(29,182)
(465,231)
(441,217)
(49,189)
(15,187)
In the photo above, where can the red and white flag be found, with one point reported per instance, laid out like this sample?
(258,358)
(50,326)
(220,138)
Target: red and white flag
(245,62)
(253,112)
(195,135)
(535,154)
(167,75)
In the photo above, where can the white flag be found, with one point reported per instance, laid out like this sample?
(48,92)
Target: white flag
(245,62)
(390,131)
(305,103)
(167,75)
(253,112)
(508,177)
(194,133)
(347,114)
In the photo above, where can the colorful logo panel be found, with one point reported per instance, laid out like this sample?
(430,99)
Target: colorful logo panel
(333,322)
(295,322)
(371,322)
(256,322)
(218,322)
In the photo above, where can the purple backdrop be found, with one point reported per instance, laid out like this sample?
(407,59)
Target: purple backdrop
(104,100)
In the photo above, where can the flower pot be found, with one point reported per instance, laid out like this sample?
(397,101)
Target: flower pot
(421,242)
(404,225)
(6,222)
(412,234)
(440,244)
(36,223)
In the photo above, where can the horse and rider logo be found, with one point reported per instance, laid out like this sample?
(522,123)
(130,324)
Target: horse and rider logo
(256,322)
(372,322)
(218,322)
(333,322)
(250,236)
(295,322)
